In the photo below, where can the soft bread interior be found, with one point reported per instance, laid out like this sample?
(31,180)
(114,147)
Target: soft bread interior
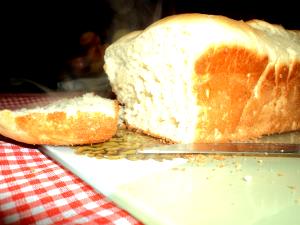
(86,103)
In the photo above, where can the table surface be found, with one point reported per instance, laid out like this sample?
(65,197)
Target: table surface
(34,189)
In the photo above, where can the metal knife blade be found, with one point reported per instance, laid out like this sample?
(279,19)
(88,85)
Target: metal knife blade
(227,148)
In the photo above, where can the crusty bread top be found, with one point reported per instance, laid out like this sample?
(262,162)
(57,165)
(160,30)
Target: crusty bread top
(255,34)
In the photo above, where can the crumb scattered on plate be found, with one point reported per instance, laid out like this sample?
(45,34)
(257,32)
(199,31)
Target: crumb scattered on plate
(247,178)
(293,188)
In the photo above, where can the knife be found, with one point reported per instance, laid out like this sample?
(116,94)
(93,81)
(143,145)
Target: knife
(276,149)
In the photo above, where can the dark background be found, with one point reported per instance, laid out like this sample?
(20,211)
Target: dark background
(41,36)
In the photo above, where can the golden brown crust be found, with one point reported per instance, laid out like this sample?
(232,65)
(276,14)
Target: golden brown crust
(256,100)
(57,128)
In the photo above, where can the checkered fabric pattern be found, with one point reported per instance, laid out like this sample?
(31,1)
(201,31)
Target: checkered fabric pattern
(36,190)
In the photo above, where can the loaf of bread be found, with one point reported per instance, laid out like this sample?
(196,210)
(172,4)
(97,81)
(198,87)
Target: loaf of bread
(70,121)
(206,78)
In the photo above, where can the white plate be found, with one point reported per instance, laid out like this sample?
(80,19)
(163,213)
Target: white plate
(230,190)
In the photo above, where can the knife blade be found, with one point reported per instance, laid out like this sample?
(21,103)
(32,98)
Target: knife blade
(227,148)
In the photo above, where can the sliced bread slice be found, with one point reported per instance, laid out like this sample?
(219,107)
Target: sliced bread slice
(70,121)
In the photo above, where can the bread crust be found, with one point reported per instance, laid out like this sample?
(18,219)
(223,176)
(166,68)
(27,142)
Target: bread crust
(246,82)
(58,128)
(256,100)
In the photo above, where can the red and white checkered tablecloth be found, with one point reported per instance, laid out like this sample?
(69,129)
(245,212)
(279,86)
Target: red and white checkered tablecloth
(36,190)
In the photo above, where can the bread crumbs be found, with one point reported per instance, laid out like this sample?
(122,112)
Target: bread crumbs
(238,166)
(247,178)
(293,188)
(219,157)
(221,165)
(178,168)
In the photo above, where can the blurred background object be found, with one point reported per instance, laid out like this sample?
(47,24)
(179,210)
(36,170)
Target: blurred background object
(85,72)
(54,45)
